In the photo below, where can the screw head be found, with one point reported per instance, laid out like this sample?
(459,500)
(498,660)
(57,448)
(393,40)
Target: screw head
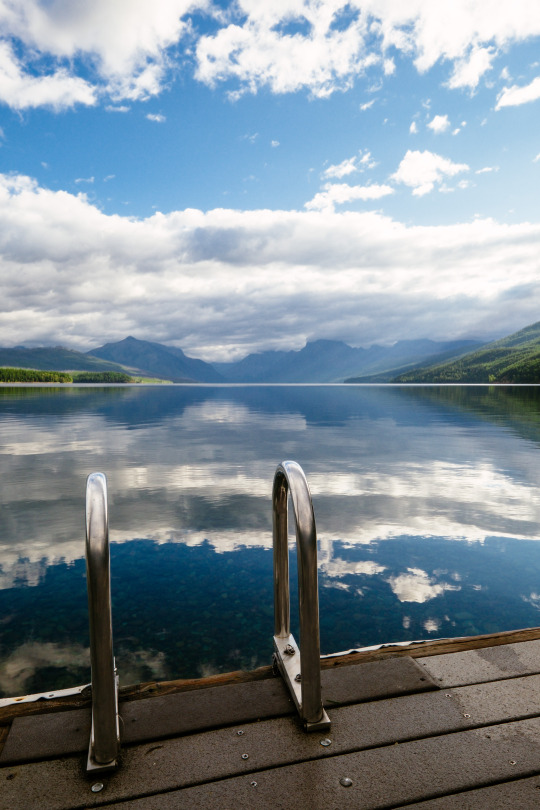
(466,715)
(298,677)
(512,761)
(289,650)
(253,784)
(240,733)
(97,787)
(326,742)
(345,781)
(245,756)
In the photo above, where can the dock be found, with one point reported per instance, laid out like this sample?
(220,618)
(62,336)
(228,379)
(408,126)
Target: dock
(442,725)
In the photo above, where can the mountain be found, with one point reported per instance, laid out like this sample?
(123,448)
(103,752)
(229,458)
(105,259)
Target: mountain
(157,360)
(53,359)
(323,361)
(513,359)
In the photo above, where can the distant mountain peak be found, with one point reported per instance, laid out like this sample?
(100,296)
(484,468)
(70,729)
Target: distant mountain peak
(157,360)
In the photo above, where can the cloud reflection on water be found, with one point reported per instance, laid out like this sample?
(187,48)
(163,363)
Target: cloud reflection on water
(203,470)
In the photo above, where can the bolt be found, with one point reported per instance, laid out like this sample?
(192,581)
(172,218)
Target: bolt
(97,787)
(326,742)
(245,756)
(448,695)
(298,677)
(512,762)
(345,781)
(253,784)
(239,733)
(289,650)
(466,715)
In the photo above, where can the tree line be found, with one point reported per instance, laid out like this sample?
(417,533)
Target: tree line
(34,375)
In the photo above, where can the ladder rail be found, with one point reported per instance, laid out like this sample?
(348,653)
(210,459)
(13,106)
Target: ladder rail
(104,748)
(300,667)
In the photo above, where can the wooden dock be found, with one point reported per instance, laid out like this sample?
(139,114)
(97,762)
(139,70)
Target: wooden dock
(446,725)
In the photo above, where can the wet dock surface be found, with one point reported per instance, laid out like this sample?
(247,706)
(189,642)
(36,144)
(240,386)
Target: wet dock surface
(444,726)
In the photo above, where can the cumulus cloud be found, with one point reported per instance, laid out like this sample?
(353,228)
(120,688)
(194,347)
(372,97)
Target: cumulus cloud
(241,280)
(340,193)
(515,96)
(347,166)
(22,90)
(124,44)
(260,48)
(469,70)
(157,117)
(439,123)
(357,163)
(130,47)
(422,171)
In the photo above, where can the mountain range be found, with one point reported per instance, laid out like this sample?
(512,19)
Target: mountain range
(320,361)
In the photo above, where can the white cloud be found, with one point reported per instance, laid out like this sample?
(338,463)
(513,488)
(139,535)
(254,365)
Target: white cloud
(340,193)
(128,48)
(123,43)
(469,70)
(357,163)
(413,129)
(421,171)
(157,117)
(257,51)
(347,166)
(70,273)
(439,123)
(487,169)
(21,90)
(274,144)
(537,158)
(367,105)
(515,96)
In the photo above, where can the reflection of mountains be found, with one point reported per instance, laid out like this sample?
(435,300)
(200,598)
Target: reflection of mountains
(143,406)
(514,407)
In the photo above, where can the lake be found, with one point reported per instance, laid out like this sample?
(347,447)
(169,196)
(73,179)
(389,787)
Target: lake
(426,501)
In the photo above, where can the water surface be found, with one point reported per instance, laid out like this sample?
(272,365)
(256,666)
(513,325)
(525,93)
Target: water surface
(426,501)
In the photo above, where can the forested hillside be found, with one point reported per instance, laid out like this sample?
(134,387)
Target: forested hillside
(513,359)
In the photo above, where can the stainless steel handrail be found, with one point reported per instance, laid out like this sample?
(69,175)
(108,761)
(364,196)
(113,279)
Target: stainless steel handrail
(300,668)
(104,746)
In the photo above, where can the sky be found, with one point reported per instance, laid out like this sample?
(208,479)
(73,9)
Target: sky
(233,177)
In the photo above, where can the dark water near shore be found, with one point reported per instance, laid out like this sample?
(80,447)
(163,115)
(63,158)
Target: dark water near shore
(426,500)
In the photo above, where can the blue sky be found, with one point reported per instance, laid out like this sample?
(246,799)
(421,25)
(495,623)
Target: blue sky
(234,177)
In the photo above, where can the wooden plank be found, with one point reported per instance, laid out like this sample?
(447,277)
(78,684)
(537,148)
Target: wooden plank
(389,777)
(217,755)
(489,664)
(63,733)
(522,794)
(158,688)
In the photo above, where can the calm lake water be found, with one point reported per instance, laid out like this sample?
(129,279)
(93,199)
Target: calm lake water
(426,501)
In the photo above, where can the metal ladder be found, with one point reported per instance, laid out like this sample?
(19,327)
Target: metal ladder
(300,667)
